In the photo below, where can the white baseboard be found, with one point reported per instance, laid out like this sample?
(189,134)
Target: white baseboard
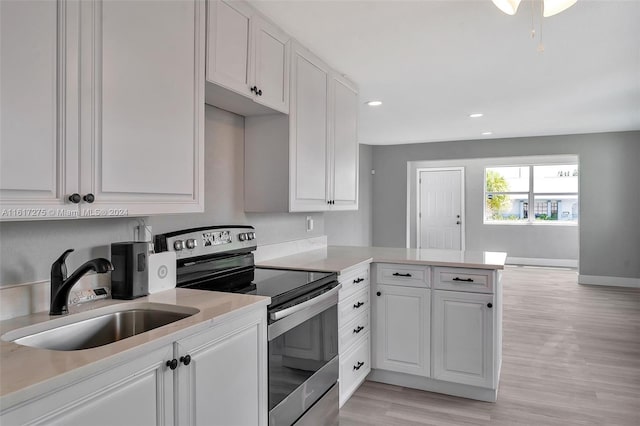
(609,281)
(536,261)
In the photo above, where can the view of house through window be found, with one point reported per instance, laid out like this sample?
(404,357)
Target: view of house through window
(551,190)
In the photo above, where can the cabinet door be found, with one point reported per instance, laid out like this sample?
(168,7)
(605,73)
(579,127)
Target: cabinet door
(138,392)
(228,45)
(402,331)
(225,382)
(463,338)
(270,65)
(344,145)
(38,138)
(142,145)
(308,154)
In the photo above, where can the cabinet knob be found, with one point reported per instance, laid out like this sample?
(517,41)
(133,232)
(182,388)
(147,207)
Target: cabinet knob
(186,360)
(89,198)
(75,198)
(378,293)
(458,222)
(260,92)
(489,305)
(172,364)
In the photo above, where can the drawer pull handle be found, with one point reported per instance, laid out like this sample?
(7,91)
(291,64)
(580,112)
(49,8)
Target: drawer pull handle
(359,280)
(358,366)
(358,330)
(468,280)
(357,305)
(395,274)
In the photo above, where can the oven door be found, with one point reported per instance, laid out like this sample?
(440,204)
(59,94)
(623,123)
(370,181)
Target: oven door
(303,358)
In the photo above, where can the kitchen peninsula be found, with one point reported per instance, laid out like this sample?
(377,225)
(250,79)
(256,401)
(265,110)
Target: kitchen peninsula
(433,321)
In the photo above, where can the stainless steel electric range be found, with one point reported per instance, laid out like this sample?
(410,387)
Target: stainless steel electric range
(302,317)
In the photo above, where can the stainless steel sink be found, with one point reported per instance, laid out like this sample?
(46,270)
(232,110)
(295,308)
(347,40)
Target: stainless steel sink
(101,328)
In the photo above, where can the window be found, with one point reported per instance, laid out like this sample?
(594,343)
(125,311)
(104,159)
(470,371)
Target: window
(552,190)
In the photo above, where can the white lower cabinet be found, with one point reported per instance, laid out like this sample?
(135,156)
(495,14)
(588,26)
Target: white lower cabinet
(139,392)
(354,342)
(402,331)
(225,381)
(463,338)
(446,338)
(222,382)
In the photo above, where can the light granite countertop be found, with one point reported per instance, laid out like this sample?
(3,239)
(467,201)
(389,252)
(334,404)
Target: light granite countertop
(342,259)
(26,372)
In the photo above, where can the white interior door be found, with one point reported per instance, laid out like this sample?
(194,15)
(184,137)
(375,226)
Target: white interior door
(440,209)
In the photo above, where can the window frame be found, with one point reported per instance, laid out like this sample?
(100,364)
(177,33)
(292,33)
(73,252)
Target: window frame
(531,197)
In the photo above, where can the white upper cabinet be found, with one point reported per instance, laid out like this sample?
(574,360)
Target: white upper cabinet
(229,39)
(37,134)
(146,123)
(246,55)
(270,71)
(309,160)
(114,126)
(344,144)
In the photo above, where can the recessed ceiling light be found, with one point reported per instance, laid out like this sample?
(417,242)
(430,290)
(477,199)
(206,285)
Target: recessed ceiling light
(374,103)
(487,133)
(476,115)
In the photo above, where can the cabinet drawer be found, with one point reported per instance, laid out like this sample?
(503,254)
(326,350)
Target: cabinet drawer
(349,308)
(459,279)
(406,275)
(353,281)
(354,367)
(352,331)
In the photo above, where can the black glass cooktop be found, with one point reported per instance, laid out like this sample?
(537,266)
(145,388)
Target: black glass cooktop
(284,285)
(279,284)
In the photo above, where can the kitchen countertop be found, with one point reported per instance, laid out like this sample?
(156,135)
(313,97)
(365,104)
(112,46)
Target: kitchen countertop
(26,372)
(341,259)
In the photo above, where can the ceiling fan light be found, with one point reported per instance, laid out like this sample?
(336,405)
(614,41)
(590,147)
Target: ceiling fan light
(508,6)
(553,7)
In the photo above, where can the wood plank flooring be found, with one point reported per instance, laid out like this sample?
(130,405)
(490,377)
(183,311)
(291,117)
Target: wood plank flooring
(571,356)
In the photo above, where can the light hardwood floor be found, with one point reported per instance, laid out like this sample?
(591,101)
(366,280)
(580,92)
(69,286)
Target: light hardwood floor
(571,356)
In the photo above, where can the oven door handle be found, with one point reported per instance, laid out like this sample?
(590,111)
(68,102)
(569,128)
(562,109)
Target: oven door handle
(275,316)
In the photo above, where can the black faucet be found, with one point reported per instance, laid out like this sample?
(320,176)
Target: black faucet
(61,285)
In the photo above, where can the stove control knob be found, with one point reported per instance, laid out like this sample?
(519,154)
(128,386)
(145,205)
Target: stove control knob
(178,245)
(191,244)
(252,235)
(243,236)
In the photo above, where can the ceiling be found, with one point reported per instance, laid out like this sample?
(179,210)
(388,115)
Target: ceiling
(433,63)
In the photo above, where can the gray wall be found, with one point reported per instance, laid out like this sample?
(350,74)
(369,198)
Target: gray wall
(541,241)
(354,228)
(609,233)
(27,249)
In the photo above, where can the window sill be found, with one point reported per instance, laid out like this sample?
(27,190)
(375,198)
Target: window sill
(538,223)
